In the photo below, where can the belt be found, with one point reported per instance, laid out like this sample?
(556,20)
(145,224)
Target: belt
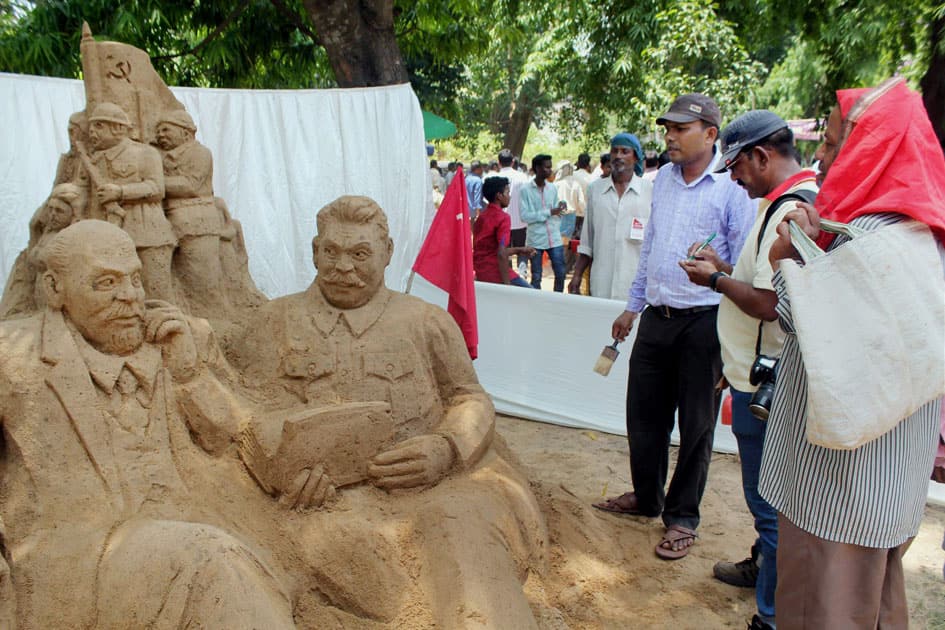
(185,202)
(668,312)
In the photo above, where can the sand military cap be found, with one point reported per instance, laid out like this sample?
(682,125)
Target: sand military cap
(178,117)
(745,131)
(109,112)
(692,107)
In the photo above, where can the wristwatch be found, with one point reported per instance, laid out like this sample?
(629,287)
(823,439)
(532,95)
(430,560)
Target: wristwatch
(714,280)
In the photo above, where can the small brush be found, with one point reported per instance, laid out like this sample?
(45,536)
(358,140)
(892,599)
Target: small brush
(606,359)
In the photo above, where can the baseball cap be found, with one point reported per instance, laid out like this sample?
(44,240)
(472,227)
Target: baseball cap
(690,107)
(745,131)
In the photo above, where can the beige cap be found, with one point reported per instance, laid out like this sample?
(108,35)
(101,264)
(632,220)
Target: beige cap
(109,112)
(178,117)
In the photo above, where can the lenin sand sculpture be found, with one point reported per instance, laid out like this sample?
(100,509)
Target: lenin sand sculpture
(339,470)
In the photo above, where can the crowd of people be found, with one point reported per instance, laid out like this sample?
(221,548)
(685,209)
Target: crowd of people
(695,247)
(546,209)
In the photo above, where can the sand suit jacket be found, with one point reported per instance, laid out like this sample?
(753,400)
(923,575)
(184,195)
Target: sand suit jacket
(71,475)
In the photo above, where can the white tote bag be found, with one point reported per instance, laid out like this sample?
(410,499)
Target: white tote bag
(870,320)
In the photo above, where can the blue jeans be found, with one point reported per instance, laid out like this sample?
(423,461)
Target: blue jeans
(518,282)
(750,433)
(556,254)
(567,224)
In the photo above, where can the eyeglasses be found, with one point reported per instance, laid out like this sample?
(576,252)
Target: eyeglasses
(731,165)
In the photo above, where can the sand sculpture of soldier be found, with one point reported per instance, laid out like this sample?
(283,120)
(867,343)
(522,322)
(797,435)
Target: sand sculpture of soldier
(127,185)
(422,466)
(190,207)
(100,529)
(23,293)
(70,169)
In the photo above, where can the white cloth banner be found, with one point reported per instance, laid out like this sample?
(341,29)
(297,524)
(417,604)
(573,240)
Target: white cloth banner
(279,156)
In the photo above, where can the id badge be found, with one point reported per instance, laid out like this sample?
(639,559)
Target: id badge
(637,227)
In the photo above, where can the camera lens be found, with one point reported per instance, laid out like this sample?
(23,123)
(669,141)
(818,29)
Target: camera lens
(760,404)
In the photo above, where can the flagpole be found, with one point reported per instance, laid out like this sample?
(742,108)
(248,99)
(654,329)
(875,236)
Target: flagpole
(410,281)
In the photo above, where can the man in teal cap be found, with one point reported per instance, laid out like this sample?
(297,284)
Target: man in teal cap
(618,207)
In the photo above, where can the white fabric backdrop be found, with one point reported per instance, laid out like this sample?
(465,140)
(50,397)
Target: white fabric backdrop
(279,156)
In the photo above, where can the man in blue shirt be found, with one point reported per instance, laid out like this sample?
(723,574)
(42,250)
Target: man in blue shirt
(474,189)
(675,362)
(541,211)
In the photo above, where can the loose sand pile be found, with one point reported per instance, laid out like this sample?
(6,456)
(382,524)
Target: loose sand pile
(603,572)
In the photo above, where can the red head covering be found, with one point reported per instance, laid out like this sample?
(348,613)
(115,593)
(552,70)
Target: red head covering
(889,161)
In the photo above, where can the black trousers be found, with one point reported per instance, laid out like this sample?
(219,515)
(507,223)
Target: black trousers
(517,238)
(675,364)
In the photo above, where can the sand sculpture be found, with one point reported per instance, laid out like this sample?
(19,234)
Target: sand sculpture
(192,252)
(423,471)
(101,530)
(346,476)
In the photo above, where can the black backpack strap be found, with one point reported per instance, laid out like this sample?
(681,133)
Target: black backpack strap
(799,195)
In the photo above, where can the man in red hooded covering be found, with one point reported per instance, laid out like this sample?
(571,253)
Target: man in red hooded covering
(846,517)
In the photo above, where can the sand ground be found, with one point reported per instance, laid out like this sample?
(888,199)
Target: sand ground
(602,570)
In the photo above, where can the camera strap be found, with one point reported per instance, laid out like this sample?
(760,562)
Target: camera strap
(799,195)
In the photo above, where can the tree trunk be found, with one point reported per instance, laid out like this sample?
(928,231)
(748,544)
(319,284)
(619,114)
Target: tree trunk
(520,120)
(359,38)
(933,83)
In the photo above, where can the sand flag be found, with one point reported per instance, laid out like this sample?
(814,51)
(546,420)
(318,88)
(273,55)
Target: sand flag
(122,74)
(445,259)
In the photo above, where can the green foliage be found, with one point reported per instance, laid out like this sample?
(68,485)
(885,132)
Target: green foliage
(794,86)
(696,52)
(578,71)
(844,44)
(216,43)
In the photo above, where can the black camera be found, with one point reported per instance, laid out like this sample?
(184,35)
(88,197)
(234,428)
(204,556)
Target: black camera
(762,374)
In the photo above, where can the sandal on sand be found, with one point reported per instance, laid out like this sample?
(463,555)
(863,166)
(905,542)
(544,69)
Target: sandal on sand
(630,507)
(675,533)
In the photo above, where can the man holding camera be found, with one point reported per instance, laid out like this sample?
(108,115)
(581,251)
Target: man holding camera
(758,151)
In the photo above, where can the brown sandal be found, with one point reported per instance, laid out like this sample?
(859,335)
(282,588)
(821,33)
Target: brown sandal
(612,505)
(675,533)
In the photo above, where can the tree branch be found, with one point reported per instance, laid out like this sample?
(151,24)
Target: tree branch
(296,19)
(212,36)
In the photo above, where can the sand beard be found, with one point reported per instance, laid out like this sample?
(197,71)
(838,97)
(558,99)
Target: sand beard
(123,341)
(118,330)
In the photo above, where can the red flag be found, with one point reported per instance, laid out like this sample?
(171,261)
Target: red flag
(445,259)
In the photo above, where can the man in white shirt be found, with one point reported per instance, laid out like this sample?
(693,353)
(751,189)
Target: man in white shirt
(582,171)
(618,208)
(516,179)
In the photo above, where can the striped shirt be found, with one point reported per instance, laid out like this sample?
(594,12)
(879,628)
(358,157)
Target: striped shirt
(872,496)
(683,214)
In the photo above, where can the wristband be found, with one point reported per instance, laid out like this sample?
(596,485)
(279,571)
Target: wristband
(714,280)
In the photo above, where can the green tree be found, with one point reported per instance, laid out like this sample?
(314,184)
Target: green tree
(250,43)
(500,66)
